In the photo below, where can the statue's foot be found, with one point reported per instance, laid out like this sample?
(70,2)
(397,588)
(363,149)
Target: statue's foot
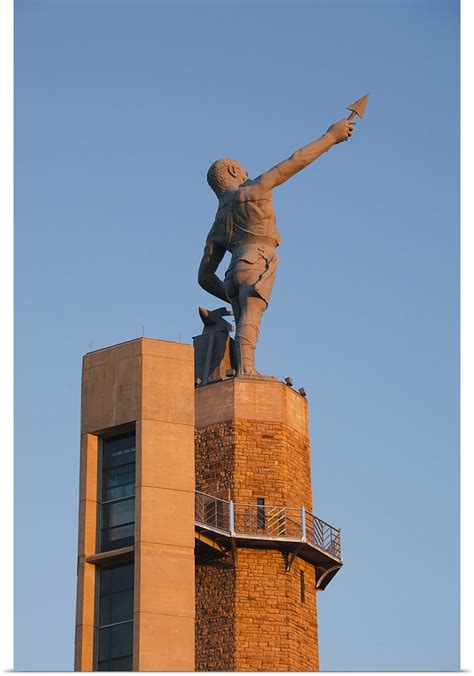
(248,371)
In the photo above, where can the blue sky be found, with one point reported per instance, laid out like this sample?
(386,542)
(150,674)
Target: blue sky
(120,108)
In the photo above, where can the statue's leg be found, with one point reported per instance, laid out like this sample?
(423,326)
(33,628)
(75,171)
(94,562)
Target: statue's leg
(236,309)
(248,329)
(232,292)
(254,281)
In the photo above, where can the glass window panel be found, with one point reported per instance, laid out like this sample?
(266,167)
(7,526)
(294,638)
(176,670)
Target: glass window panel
(119,482)
(116,578)
(116,607)
(119,664)
(122,664)
(114,538)
(118,490)
(118,513)
(104,644)
(119,451)
(115,641)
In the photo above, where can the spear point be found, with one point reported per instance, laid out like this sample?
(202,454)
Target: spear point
(358,107)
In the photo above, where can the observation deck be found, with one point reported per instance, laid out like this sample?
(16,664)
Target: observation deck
(223,525)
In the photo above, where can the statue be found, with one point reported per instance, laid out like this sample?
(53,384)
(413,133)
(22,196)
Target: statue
(245,225)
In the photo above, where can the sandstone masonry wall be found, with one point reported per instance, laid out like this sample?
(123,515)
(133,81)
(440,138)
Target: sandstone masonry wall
(253,617)
(275,630)
(215,616)
(251,459)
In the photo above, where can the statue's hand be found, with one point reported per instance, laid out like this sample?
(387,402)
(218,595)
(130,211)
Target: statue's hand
(341,131)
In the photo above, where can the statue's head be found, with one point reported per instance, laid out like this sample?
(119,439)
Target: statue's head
(226,173)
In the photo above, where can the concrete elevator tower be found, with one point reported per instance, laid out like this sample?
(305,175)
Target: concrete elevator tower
(135,584)
(198,548)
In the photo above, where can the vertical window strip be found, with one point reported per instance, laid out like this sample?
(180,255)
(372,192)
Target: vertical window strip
(118,492)
(261,520)
(115,618)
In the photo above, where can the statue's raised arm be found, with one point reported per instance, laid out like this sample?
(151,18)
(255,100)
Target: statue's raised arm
(337,132)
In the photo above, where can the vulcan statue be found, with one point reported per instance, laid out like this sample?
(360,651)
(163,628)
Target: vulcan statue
(245,225)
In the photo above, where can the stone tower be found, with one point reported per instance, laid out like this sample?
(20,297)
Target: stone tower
(261,553)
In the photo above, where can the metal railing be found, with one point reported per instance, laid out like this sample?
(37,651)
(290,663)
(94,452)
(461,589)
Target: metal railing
(266,521)
(323,535)
(212,511)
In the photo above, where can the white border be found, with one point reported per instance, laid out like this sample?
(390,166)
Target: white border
(467,333)
(6,331)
